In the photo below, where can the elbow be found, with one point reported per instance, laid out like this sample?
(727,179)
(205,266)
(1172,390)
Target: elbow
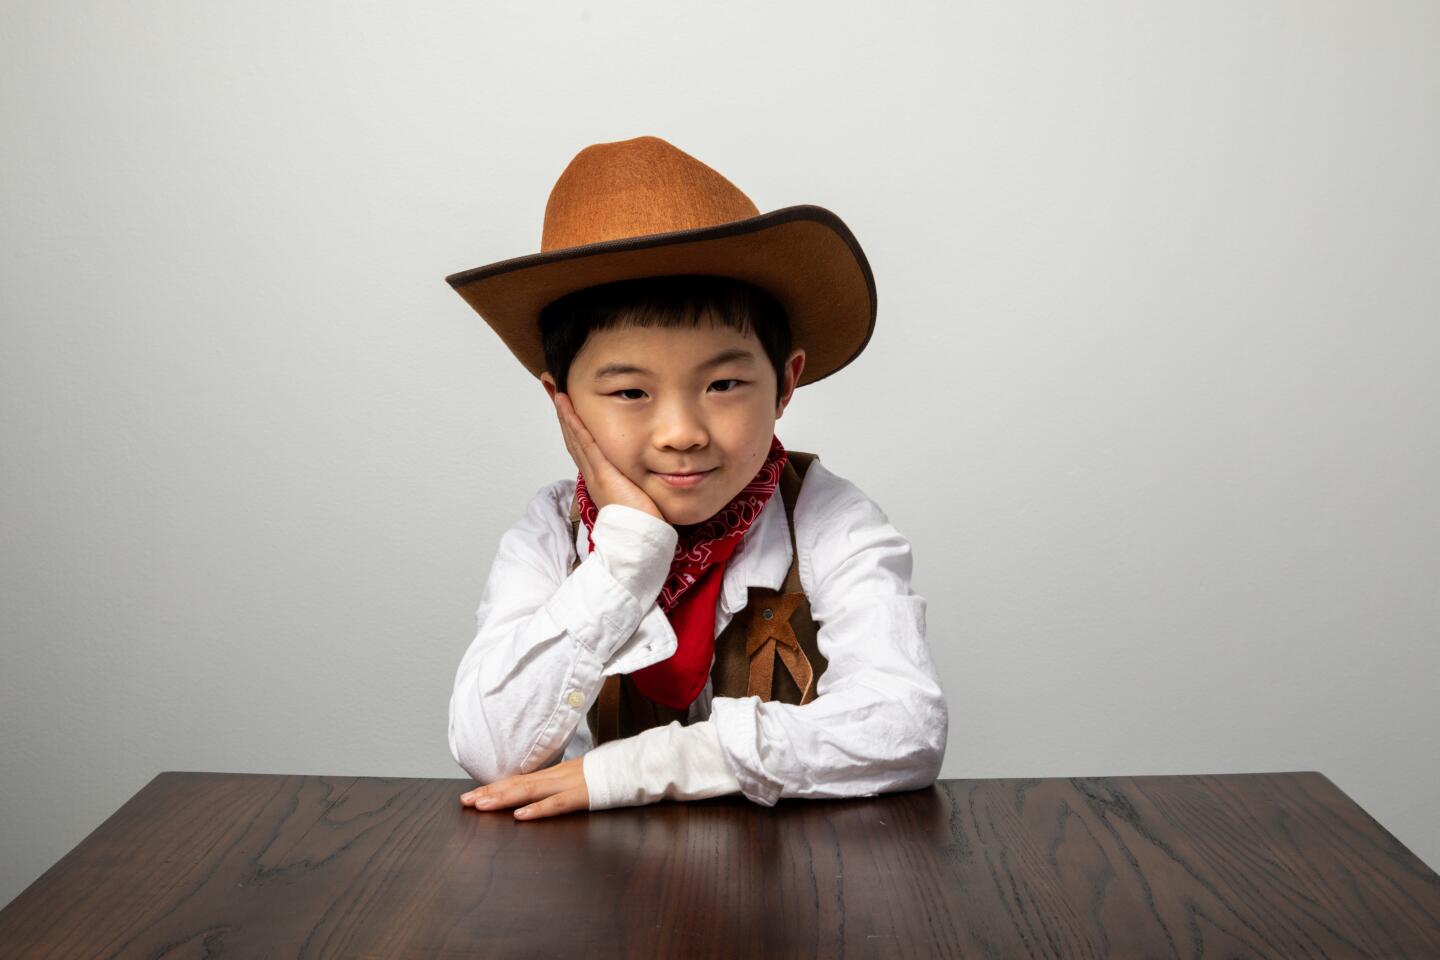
(927,732)
(478,753)
(478,736)
(934,757)
(927,757)
(939,733)
(909,752)
(450,733)
(472,748)
(913,725)
(481,765)
(936,734)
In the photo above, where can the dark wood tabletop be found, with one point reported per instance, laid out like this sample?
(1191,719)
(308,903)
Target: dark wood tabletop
(253,865)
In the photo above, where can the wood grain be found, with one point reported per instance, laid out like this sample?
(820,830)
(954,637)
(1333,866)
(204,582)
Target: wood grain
(248,865)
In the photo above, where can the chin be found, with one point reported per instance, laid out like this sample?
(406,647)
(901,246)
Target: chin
(685,514)
(684,518)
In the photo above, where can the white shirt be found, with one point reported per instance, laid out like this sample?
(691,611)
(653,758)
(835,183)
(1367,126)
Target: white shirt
(547,638)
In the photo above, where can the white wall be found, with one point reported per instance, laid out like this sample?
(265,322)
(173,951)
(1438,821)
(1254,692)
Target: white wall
(1153,386)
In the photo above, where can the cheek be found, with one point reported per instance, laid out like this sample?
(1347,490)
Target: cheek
(762,428)
(617,441)
(749,442)
(616,448)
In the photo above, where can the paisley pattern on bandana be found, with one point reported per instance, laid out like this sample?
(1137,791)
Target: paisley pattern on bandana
(705,549)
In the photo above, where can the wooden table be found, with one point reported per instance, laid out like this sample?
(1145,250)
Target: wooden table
(244,865)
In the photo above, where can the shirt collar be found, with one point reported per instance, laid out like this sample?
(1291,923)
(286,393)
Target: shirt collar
(762,559)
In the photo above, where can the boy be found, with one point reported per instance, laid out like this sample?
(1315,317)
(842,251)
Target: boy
(700,611)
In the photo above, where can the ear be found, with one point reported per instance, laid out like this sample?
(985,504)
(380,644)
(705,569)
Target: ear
(549,383)
(793,365)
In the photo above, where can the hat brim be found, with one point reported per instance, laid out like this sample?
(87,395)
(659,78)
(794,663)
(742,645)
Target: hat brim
(803,255)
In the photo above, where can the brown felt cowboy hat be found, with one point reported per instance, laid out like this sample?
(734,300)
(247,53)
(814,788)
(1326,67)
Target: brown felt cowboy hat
(641,208)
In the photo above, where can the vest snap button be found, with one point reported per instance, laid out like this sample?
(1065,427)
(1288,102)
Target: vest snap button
(767,614)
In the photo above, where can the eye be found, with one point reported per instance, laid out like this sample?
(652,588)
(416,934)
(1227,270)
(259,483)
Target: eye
(729,380)
(630,390)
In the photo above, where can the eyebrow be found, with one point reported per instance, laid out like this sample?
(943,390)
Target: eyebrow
(615,368)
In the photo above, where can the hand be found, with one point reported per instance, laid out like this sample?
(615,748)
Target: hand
(603,480)
(554,790)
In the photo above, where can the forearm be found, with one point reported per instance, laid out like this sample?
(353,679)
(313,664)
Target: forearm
(533,669)
(674,761)
(511,694)
(848,743)
(879,723)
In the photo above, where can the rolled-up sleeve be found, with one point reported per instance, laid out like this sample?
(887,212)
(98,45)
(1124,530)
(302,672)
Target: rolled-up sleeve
(547,637)
(879,720)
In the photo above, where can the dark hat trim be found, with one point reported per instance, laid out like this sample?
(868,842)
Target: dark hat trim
(804,211)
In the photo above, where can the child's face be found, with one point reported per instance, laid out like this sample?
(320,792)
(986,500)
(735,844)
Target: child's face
(676,414)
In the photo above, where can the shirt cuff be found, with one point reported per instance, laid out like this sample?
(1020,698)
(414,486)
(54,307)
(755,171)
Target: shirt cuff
(636,547)
(654,640)
(674,761)
(738,725)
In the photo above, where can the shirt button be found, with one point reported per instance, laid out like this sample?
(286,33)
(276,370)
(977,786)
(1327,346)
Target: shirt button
(575,698)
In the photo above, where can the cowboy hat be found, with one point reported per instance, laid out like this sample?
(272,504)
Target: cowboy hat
(641,208)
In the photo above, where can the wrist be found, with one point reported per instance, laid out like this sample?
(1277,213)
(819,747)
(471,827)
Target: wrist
(636,547)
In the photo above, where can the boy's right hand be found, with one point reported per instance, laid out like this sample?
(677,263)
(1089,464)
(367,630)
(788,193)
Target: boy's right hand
(603,480)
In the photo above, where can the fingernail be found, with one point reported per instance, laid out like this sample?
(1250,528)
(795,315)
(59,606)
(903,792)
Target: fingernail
(523,812)
(484,801)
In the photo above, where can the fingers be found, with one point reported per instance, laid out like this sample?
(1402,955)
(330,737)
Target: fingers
(536,795)
(586,451)
(582,432)
(502,793)
(565,412)
(600,475)
(567,801)
(570,418)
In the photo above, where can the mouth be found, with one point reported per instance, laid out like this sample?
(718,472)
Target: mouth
(691,479)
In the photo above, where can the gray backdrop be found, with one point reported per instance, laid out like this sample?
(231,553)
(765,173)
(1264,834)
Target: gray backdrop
(1153,388)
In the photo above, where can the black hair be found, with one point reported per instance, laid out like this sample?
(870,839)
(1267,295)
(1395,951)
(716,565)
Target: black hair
(669,301)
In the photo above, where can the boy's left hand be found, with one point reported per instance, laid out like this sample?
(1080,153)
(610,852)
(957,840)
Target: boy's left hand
(554,790)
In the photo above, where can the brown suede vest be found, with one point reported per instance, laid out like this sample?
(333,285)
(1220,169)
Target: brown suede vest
(774,624)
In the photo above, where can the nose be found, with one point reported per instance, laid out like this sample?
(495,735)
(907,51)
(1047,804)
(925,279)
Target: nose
(678,426)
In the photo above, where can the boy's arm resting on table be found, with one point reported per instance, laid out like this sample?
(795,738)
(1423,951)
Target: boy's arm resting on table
(674,761)
(546,638)
(879,720)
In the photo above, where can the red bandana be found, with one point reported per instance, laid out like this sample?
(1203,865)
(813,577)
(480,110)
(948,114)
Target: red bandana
(699,563)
